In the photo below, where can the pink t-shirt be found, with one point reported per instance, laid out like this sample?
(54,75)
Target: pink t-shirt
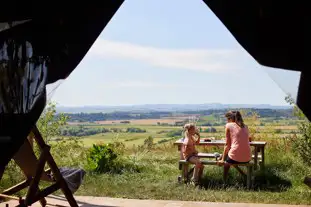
(238,139)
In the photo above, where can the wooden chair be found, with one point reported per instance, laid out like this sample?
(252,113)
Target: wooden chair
(33,169)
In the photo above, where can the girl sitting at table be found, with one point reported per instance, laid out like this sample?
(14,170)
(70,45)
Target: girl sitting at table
(237,149)
(190,153)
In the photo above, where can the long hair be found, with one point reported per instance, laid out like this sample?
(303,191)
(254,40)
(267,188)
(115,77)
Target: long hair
(187,127)
(239,120)
(236,117)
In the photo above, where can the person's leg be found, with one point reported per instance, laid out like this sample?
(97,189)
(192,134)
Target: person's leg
(226,170)
(240,171)
(196,161)
(201,171)
(227,166)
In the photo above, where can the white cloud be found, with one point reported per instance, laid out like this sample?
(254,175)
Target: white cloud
(213,60)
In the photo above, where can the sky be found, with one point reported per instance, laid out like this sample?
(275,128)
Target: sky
(170,52)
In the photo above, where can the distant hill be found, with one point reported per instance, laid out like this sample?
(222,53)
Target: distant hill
(163,107)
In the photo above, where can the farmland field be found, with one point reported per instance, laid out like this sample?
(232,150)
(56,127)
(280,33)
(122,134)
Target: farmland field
(142,121)
(158,129)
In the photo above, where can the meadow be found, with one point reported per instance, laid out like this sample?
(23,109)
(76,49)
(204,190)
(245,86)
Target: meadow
(147,163)
(278,129)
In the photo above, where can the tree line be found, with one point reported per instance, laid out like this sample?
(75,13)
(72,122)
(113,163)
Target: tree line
(80,131)
(93,117)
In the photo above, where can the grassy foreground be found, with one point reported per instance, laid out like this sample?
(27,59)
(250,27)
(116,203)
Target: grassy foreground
(158,171)
(281,183)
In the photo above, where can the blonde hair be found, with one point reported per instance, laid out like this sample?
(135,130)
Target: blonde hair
(187,127)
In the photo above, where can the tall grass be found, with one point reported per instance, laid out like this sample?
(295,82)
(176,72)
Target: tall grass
(281,182)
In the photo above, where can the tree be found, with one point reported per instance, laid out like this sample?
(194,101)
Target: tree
(148,143)
(301,142)
(49,124)
(50,127)
(296,111)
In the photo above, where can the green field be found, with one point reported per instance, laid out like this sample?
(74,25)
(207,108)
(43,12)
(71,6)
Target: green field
(156,177)
(281,128)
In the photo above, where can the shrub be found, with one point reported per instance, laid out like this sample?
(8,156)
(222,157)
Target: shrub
(107,158)
(135,130)
(175,133)
(162,131)
(211,130)
(148,143)
(101,158)
(116,130)
(302,142)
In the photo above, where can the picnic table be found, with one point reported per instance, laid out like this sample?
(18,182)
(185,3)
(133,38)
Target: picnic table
(258,145)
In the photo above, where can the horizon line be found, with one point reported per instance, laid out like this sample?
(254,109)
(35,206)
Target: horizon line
(129,105)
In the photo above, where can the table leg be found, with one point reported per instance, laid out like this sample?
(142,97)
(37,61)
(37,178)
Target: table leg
(262,167)
(256,158)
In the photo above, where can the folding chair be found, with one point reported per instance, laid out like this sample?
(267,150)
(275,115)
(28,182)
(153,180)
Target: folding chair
(33,169)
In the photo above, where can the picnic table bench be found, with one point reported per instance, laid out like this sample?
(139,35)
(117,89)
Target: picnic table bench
(258,145)
(251,166)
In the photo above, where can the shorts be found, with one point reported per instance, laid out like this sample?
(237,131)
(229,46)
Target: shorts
(194,155)
(231,161)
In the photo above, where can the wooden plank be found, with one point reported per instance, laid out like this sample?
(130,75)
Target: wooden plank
(212,155)
(212,162)
(249,166)
(221,143)
(206,155)
(16,188)
(9,197)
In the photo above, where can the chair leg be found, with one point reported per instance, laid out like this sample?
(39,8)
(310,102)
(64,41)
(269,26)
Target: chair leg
(68,194)
(43,202)
(249,176)
(53,166)
(34,184)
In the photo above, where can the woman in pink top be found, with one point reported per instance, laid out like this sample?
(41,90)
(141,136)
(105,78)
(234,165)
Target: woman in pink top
(190,153)
(237,148)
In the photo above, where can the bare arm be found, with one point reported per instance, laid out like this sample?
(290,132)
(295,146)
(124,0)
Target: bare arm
(199,138)
(250,138)
(184,149)
(227,146)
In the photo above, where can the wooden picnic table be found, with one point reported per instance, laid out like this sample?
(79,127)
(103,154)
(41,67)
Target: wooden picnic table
(258,145)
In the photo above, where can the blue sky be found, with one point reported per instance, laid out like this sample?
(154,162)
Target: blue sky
(176,51)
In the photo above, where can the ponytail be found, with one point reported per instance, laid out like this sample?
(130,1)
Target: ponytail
(239,120)
(236,117)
